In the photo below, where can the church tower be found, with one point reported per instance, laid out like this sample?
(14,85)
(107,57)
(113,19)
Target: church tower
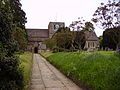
(54,26)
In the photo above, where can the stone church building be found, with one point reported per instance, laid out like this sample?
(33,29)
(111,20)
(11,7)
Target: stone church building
(37,36)
(92,41)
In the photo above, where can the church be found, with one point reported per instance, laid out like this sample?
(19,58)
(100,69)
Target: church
(37,36)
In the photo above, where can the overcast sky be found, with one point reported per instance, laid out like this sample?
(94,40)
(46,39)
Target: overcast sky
(40,12)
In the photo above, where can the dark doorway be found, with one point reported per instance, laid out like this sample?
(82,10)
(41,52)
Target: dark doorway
(36,50)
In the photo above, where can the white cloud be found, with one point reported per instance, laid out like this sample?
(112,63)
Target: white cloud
(41,12)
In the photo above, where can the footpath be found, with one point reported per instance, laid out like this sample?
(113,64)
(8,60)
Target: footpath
(47,77)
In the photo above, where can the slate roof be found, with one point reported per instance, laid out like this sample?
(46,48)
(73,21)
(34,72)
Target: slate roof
(41,33)
(91,36)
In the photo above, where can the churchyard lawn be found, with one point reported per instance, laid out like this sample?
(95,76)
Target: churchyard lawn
(93,70)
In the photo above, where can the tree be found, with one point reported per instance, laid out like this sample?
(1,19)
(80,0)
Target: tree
(88,26)
(19,18)
(63,38)
(108,15)
(111,38)
(79,41)
(77,25)
(19,36)
(10,20)
(50,43)
(78,28)
(19,21)
(6,27)
(101,42)
(10,74)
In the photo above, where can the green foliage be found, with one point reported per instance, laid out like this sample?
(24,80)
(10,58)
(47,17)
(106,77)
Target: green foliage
(50,43)
(79,28)
(5,24)
(88,26)
(63,38)
(101,41)
(10,74)
(26,65)
(19,18)
(79,41)
(11,17)
(9,24)
(20,36)
(96,70)
(107,15)
(111,38)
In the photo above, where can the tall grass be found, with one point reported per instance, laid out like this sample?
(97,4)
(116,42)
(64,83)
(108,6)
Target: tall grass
(96,70)
(26,65)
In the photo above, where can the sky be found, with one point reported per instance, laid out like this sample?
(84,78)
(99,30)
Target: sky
(40,12)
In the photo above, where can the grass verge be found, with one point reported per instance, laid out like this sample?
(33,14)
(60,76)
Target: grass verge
(94,70)
(26,65)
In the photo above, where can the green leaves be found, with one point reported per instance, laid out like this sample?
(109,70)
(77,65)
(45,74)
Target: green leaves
(111,38)
(10,74)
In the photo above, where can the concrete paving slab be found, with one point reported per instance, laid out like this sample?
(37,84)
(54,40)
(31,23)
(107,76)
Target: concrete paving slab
(47,77)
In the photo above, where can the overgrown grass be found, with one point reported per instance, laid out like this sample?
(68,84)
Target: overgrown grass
(26,65)
(46,54)
(96,70)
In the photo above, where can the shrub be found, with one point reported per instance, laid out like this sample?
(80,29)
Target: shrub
(10,75)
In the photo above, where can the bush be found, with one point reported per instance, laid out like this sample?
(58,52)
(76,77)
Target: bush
(57,49)
(10,74)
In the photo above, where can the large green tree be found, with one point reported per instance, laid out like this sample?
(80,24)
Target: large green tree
(10,75)
(108,16)
(19,20)
(111,38)
(63,38)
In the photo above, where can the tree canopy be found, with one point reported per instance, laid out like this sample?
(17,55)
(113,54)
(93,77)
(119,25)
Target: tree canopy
(108,15)
(12,22)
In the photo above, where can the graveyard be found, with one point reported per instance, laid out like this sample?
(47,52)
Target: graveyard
(61,56)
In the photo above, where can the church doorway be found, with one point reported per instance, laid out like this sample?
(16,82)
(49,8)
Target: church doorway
(36,50)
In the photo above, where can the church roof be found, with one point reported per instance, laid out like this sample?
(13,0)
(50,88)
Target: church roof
(41,33)
(91,36)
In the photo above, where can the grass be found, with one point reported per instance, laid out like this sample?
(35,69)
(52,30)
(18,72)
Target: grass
(46,54)
(96,70)
(26,65)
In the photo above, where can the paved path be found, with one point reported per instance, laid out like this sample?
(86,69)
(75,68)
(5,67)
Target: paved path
(47,77)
